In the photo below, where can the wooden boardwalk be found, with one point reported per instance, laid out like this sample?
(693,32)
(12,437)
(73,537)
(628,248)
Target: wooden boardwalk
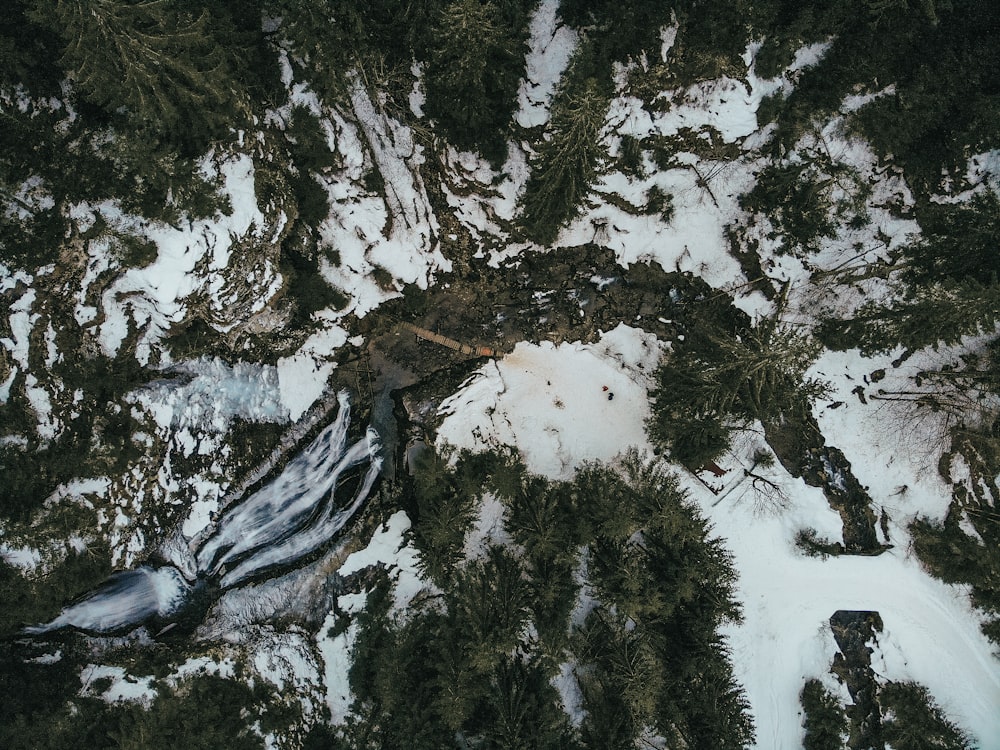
(423,333)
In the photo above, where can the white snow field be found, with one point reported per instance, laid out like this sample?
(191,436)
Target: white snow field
(549,402)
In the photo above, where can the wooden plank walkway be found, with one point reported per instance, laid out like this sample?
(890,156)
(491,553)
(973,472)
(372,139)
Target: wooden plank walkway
(423,333)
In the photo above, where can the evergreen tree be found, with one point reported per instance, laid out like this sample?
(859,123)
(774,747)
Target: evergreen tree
(935,313)
(947,284)
(567,162)
(472,74)
(523,709)
(955,556)
(912,721)
(824,720)
(491,605)
(716,376)
(443,514)
(957,243)
(165,62)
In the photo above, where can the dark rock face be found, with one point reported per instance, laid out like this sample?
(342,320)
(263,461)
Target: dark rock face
(853,631)
(802,450)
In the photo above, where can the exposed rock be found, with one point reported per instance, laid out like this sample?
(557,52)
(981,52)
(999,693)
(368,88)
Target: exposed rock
(853,631)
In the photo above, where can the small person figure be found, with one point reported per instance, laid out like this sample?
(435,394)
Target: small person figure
(604,388)
(611,397)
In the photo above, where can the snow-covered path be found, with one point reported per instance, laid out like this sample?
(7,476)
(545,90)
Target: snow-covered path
(930,634)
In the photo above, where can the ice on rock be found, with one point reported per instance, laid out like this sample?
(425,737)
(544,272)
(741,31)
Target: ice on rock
(287,519)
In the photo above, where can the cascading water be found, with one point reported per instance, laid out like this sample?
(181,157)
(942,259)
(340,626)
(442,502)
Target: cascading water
(287,519)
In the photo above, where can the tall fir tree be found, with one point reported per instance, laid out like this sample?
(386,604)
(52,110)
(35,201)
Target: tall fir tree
(913,721)
(473,70)
(934,313)
(567,162)
(716,377)
(824,719)
(166,63)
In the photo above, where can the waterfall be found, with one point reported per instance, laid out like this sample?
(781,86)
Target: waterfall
(287,519)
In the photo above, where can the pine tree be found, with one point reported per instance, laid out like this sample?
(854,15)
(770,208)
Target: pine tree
(824,720)
(522,709)
(165,64)
(717,376)
(935,313)
(566,164)
(472,75)
(958,242)
(914,722)
(444,513)
(490,604)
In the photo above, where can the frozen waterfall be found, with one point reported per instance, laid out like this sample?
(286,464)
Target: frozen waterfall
(288,518)
(126,598)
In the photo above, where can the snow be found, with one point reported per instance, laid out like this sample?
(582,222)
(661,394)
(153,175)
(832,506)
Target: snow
(488,529)
(570,694)
(214,393)
(395,232)
(21,321)
(303,376)
(46,424)
(550,46)
(388,547)
(695,238)
(287,661)
(23,557)
(541,399)
(336,655)
(123,687)
(547,401)
(158,293)
(787,602)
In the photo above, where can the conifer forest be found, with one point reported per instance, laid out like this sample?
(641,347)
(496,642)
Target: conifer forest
(500,374)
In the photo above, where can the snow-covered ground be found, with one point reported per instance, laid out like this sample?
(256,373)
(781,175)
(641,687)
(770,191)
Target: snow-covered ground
(549,402)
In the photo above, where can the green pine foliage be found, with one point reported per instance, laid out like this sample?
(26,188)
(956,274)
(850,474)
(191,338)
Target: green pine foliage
(824,718)
(619,31)
(474,663)
(938,56)
(955,556)
(460,667)
(935,313)
(201,713)
(721,376)
(40,598)
(169,64)
(445,509)
(946,285)
(664,589)
(330,38)
(567,162)
(797,197)
(957,243)
(913,721)
(475,64)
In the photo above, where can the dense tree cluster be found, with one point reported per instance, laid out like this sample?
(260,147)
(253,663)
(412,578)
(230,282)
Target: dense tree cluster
(205,712)
(121,101)
(567,162)
(824,719)
(476,662)
(912,720)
